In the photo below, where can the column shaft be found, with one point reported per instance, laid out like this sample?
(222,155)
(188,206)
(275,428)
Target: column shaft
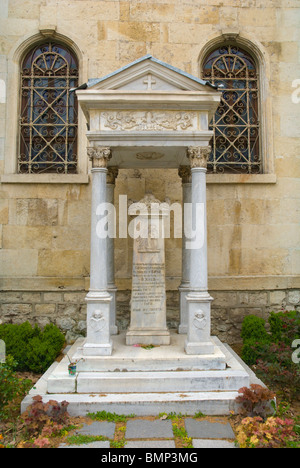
(112,289)
(198,299)
(98,342)
(185,174)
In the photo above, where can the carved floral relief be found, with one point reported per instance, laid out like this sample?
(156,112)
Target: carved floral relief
(149,120)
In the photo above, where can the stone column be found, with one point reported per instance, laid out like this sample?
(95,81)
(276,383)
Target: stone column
(98,342)
(198,299)
(111,287)
(185,174)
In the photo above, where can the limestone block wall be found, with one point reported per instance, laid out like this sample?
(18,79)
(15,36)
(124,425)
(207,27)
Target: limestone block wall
(253,221)
(67,309)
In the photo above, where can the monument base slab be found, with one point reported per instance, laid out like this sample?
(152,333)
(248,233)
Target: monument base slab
(162,379)
(148,337)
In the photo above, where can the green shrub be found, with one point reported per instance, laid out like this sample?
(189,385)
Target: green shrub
(11,386)
(255,338)
(17,338)
(254,328)
(252,350)
(33,349)
(284,326)
(272,353)
(45,348)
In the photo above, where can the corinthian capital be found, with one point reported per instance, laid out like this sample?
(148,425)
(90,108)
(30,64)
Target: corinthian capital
(198,155)
(185,173)
(99,155)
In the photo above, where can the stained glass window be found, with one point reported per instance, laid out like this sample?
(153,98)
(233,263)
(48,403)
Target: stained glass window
(48,116)
(235,143)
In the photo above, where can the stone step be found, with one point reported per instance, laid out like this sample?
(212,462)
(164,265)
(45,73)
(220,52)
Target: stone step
(163,369)
(144,382)
(161,358)
(57,385)
(150,362)
(143,404)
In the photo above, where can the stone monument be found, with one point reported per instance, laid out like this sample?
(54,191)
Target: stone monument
(148,296)
(148,115)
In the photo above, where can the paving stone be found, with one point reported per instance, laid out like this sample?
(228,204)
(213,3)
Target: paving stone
(150,444)
(144,429)
(208,443)
(99,428)
(208,430)
(97,444)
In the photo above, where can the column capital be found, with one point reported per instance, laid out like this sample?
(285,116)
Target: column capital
(185,173)
(198,156)
(99,155)
(112,174)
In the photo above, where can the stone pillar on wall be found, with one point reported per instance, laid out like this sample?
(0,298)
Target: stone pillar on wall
(185,174)
(198,299)
(98,342)
(112,289)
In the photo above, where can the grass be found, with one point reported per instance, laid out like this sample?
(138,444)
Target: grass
(111,417)
(79,439)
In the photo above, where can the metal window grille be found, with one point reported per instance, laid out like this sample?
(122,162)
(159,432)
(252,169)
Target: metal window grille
(48,118)
(236,126)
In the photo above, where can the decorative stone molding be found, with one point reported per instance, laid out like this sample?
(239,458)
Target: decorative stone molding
(99,156)
(184,173)
(112,174)
(198,156)
(48,30)
(230,34)
(149,120)
(200,320)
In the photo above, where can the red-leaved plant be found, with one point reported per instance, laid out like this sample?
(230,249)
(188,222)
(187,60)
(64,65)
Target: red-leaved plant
(43,420)
(255,401)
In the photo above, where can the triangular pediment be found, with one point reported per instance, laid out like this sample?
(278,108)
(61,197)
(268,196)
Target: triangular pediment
(150,74)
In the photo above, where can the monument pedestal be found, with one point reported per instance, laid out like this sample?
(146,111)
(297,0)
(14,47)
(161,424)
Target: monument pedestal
(98,342)
(198,337)
(148,323)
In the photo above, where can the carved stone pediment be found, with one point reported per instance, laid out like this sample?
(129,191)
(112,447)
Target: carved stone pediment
(149,74)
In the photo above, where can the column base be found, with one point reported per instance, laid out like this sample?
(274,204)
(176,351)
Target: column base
(98,342)
(199,348)
(184,289)
(112,289)
(198,336)
(182,329)
(92,349)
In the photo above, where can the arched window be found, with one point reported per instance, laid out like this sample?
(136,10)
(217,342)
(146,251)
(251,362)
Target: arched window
(236,124)
(48,113)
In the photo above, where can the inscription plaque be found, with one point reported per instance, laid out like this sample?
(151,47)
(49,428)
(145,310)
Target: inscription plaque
(148,295)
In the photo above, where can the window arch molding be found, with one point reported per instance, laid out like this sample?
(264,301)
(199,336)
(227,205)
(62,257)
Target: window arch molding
(14,62)
(261,60)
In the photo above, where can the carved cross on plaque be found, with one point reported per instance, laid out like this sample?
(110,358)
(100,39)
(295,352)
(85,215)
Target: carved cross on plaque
(150,81)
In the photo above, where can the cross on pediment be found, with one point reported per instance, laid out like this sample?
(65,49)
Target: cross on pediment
(149,81)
